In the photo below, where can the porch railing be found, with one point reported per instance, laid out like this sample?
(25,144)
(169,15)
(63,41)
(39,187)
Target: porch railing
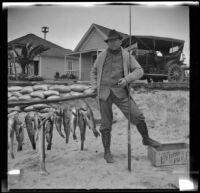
(74,72)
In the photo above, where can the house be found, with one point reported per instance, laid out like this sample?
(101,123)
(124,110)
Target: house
(87,50)
(49,62)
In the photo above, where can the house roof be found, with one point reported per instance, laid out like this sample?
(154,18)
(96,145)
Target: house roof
(103,31)
(54,51)
(106,31)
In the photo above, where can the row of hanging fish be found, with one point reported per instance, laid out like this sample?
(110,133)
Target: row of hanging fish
(65,118)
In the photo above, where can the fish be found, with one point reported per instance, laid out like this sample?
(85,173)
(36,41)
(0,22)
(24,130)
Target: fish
(41,147)
(11,136)
(40,137)
(48,126)
(73,121)
(58,120)
(82,127)
(89,117)
(29,121)
(66,122)
(19,131)
(36,123)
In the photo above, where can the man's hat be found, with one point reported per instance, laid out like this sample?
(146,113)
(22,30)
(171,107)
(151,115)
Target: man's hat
(113,35)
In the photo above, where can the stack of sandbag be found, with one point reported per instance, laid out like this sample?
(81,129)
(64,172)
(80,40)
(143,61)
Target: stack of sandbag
(14,93)
(48,92)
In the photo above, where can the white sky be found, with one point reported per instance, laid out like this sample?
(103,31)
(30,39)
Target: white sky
(67,24)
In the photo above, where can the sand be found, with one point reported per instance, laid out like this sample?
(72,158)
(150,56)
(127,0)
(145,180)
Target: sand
(167,117)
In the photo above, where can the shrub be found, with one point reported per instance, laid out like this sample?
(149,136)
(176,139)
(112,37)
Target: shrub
(35,78)
(57,75)
(11,77)
(72,76)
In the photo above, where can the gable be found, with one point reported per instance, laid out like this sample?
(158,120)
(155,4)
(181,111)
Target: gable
(93,41)
(94,38)
(54,51)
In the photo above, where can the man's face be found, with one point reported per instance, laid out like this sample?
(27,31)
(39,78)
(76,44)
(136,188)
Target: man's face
(114,44)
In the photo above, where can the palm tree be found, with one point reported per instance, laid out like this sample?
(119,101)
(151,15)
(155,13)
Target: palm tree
(11,59)
(28,52)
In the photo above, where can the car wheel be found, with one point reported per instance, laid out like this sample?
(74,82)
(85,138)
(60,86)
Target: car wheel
(175,73)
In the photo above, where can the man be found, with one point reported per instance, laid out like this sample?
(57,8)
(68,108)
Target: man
(109,77)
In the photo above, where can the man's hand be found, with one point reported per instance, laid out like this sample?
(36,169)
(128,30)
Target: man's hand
(122,82)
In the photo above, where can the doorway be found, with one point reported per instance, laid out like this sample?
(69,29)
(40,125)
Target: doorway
(36,67)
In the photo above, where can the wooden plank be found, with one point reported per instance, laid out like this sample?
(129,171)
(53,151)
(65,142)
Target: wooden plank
(56,82)
(31,83)
(162,85)
(44,101)
(156,75)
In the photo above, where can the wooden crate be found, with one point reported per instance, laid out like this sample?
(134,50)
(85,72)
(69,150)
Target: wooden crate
(169,154)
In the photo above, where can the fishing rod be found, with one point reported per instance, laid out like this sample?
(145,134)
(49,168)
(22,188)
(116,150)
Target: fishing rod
(129,102)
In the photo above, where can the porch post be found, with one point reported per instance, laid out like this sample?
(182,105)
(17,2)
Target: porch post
(40,71)
(80,64)
(65,64)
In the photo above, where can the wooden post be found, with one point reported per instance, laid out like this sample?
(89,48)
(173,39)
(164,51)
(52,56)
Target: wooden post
(80,61)
(40,63)
(41,147)
(15,69)
(129,113)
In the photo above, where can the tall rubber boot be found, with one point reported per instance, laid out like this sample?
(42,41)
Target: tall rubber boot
(142,128)
(106,140)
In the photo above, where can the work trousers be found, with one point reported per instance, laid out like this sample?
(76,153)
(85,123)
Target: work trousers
(107,115)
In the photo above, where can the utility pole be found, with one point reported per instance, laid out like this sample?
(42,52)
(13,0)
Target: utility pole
(45,30)
(129,102)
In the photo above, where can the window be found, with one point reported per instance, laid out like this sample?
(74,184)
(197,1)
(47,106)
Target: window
(69,65)
(158,53)
(173,49)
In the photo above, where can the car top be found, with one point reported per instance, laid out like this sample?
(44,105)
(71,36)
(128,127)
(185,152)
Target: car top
(147,42)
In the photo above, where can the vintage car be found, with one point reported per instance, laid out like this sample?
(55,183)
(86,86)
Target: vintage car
(160,57)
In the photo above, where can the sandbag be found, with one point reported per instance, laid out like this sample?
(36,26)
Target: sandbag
(50,93)
(13,98)
(17,94)
(61,88)
(76,93)
(40,87)
(14,88)
(54,87)
(27,90)
(65,89)
(38,94)
(53,97)
(40,106)
(65,95)
(9,94)
(78,88)
(88,91)
(16,108)
(25,97)
(29,108)
(36,99)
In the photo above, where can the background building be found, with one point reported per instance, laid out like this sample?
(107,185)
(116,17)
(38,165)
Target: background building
(49,62)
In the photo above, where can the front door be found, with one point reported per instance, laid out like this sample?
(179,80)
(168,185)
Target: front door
(36,67)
